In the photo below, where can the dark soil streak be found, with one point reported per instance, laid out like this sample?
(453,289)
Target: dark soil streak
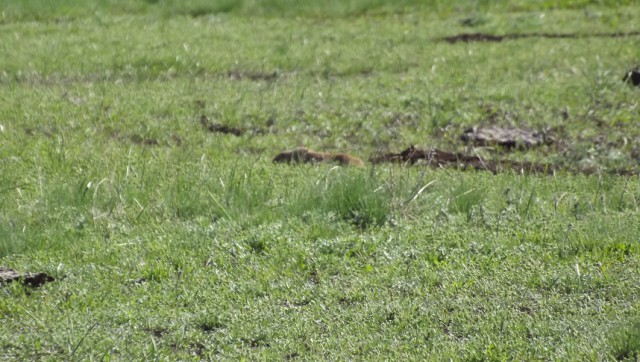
(220,128)
(483,37)
(438,158)
(31,279)
(253,76)
(143,141)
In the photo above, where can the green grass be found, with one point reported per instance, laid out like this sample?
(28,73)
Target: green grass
(42,10)
(626,342)
(169,242)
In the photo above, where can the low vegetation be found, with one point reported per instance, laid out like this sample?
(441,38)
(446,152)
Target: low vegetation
(136,147)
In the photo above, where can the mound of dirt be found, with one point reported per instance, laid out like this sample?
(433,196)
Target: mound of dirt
(31,279)
(439,158)
(305,155)
(508,138)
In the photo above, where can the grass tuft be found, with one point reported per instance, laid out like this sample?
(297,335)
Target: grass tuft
(463,198)
(358,198)
(625,343)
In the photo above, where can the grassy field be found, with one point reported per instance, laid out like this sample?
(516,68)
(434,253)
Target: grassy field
(170,242)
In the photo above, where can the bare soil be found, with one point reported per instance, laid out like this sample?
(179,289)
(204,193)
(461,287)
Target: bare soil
(30,279)
(220,128)
(484,37)
(437,158)
(505,138)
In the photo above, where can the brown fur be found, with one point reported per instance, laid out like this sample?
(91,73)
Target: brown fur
(305,155)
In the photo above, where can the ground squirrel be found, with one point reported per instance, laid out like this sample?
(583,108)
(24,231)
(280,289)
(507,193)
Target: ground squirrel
(305,155)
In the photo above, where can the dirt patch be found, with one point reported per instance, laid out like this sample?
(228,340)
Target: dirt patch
(506,138)
(144,141)
(173,140)
(305,155)
(220,128)
(483,37)
(437,158)
(31,279)
(473,37)
(47,132)
(632,77)
(254,76)
(238,131)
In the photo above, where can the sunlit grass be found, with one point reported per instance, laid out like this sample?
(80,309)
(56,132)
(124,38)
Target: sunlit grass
(169,241)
